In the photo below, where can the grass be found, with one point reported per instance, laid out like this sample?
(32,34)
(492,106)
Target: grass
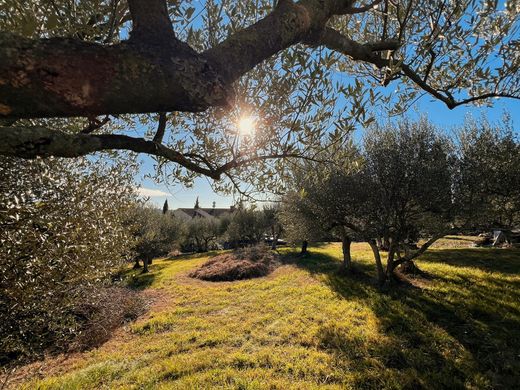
(306,327)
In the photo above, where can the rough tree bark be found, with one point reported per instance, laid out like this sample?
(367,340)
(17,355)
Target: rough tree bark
(346,242)
(381,276)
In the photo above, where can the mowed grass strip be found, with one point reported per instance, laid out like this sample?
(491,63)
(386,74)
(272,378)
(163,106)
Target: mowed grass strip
(304,327)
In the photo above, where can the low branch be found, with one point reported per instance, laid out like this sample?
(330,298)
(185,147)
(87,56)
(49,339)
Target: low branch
(424,247)
(32,142)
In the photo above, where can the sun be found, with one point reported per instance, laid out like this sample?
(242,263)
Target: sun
(246,125)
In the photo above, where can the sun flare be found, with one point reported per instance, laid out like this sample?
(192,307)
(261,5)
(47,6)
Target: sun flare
(246,125)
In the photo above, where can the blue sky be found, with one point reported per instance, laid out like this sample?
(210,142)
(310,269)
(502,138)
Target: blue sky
(438,113)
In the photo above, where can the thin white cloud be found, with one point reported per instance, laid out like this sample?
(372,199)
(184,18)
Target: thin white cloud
(150,192)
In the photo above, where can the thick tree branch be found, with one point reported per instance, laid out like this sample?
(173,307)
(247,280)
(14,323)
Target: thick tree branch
(64,77)
(288,24)
(150,20)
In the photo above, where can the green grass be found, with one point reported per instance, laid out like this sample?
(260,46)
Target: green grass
(305,327)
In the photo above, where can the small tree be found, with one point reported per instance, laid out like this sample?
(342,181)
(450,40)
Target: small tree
(165,207)
(201,234)
(246,227)
(487,179)
(409,166)
(156,235)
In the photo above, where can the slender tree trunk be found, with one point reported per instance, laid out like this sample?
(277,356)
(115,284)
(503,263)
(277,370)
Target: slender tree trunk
(275,239)
(136,264)
(381,277)
(390,265)
(386,243)
(145,265)
(305,244)
(345,247)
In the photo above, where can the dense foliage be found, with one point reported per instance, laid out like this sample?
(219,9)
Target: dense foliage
(408,185)
(63,229)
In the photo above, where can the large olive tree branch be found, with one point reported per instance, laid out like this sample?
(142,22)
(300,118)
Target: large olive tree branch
(154,71)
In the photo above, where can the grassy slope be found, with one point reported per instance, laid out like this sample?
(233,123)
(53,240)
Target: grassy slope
(304,327)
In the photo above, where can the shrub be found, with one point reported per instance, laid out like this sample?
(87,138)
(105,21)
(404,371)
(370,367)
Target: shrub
(99,311)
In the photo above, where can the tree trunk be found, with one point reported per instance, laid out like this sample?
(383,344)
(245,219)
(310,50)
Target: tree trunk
(136,264)
(381,277)
(145,265)
(275,239)
(385,245)
(345,247)
(409,267)
(390,264)
(304,247)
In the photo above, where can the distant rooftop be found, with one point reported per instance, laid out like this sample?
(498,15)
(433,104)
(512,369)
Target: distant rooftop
(210,212)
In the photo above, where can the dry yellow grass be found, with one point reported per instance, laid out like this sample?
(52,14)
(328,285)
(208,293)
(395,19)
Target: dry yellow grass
(305,327)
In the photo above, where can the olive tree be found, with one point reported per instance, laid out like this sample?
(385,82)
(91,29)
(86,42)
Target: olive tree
(247,226)
(201,234)
(156,234)
(63,229)
(487,182)
(410,165)
(195,71)
(337,203)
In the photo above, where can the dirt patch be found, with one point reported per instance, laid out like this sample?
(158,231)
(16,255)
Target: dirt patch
(244,263)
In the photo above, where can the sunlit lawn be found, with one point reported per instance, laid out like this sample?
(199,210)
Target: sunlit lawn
(305,327)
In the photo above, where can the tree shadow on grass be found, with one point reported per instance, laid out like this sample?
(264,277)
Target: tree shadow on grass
(462,331)
(137,280)
(486,259)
